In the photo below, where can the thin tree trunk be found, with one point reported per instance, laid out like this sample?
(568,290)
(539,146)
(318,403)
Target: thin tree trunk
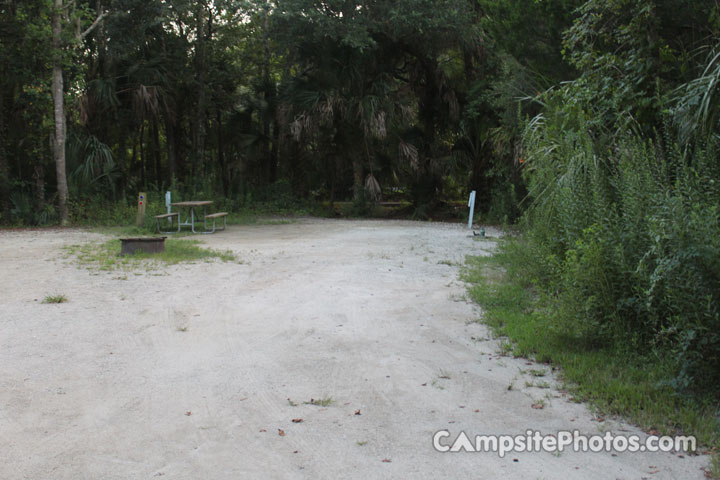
(39,177)
(156,152)
(357,178)
(133,157)
(333,181)
(171,150)
(143,179)
(199,116)
(122,163)
(59,114)
(268,150)
(221,155)
(4,167)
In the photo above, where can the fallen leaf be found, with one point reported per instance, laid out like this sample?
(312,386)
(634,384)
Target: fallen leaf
(297,420)
(538,406)
(357,412)
(262,430)
(424,384)
(476,411)
(653,472)
(386,460)
(188,413)
(281,432)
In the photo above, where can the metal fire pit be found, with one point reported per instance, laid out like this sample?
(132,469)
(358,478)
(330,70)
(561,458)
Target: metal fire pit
(147,245)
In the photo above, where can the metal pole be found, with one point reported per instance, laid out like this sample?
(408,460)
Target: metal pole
(471,204)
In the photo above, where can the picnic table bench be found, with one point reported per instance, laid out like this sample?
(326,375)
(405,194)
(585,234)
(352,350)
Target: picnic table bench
(191,216)
(215,216)
(171,216)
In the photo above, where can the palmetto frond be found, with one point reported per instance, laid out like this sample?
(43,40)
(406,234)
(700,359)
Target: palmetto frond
(409,153)
(698,102)
(372,188)
(146,101)
(91,161)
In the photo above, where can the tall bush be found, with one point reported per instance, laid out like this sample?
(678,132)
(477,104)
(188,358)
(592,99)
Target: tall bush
(634,229)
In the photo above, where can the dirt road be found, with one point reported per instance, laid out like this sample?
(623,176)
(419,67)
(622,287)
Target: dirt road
(358,328)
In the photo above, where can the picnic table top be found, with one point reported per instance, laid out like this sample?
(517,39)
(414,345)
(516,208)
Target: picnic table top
(193,203)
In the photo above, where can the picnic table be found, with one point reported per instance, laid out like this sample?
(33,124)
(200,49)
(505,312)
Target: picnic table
(192,215)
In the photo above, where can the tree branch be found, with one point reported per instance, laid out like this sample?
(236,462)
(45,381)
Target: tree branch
(92,27)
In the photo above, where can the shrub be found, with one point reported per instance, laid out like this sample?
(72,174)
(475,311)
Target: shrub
(633,237)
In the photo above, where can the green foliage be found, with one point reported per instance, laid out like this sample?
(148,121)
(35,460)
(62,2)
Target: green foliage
(55,299)
(698,102)
(519,302)
(636,236)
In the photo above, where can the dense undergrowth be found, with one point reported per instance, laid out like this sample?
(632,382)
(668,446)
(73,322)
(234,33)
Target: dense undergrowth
(616,274)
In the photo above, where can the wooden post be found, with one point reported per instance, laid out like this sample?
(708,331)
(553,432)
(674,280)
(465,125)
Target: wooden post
(141,209)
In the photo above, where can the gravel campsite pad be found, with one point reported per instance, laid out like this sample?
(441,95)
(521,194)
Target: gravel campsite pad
(325,349)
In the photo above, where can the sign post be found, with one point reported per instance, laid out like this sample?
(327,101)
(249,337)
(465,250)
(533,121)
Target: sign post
(141,209)
(471,204)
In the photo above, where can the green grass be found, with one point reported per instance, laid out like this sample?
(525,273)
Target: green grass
(320,402)
(55,299)
(106,256)
(612,379)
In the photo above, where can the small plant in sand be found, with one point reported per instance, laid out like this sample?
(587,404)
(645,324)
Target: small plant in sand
(55,299)
(320,402)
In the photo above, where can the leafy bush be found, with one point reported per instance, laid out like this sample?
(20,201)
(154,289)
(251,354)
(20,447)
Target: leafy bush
(634,237)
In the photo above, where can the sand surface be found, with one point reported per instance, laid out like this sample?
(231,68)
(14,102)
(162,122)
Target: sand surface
(196,371)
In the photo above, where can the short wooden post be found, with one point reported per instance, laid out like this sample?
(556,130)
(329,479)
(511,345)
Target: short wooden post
(141,209)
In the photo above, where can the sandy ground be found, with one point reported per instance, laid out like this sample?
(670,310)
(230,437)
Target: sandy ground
(198,372)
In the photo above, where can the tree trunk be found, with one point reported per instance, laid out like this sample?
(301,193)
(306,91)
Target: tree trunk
(357,178)
(59,114)
(4,168)
(171,147)
(143,178)
(122,164)
(269,93)
(156,152)
(39,178)
(224,177)
(199,115)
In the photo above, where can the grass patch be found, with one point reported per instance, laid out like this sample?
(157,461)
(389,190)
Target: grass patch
(106,256)
(320,402)
(614,379)
(55,299)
